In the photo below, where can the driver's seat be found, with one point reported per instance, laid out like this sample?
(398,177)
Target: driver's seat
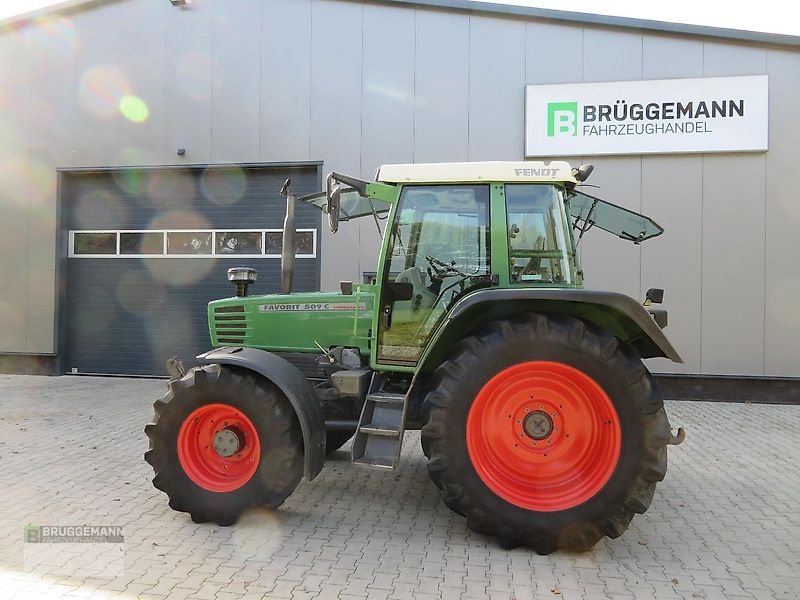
(406,311)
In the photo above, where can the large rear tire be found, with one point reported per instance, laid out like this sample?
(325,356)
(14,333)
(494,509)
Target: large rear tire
(224,440)
(545,432)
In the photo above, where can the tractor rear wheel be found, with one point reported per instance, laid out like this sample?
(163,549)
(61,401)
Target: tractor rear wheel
(224,440)
(545,432)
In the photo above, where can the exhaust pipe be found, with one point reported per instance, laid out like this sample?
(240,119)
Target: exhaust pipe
(287,250)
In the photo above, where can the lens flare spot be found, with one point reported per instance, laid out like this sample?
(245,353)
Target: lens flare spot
(164,187)
(101,89)
(100,209)
(134,108)
(52,33)
(42,175)
(180,274)
(131,181)
(224,186)
(139,294)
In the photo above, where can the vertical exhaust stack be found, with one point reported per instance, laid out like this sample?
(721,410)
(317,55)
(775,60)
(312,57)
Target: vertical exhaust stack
(287,250)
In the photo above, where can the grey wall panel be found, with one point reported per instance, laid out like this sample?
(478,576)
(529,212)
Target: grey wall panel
(722,60)
(144,64)
(733,239)
(733,264)
(610,263)
(51,52)
(14,281)
(387,121)
(189,68)
(336,83)
(782,272)
(496,89)
(14,176)
(41,249)
(441,86)
(672,194)
(285,80)
(541,39)
(336,94)
(51,49)
(387,132)
(236,102)
(100,84)
(665,57)
(611,55)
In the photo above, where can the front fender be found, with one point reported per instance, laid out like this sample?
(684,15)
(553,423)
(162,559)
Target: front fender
(617,313)
(294,386)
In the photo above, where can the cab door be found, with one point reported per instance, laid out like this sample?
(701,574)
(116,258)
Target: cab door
(438,250)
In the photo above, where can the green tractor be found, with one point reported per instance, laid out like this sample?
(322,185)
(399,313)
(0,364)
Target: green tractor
(539,421)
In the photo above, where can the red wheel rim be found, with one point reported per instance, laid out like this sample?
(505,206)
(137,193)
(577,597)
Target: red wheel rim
(218,447)
(543,436)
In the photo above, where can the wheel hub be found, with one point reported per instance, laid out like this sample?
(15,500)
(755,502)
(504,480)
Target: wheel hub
(227,442)
(538,425)
(218,447)
(543,436)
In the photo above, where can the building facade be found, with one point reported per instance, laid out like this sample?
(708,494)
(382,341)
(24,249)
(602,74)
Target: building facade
(133,122)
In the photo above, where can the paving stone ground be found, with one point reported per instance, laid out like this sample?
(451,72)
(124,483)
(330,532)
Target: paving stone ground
(724,524)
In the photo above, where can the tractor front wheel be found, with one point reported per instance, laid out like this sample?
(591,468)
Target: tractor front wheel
(224,440)
(545,432)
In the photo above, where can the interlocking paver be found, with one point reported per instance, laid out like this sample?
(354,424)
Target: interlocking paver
(725,523)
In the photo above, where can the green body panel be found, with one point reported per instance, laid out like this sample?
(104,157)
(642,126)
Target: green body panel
(298,322)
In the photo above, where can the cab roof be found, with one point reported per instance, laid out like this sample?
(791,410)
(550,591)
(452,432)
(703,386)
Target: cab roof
(520,171)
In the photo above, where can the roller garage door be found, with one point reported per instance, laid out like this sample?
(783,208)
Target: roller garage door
(149,248)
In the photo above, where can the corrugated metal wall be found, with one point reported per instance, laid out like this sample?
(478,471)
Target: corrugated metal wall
(360,84)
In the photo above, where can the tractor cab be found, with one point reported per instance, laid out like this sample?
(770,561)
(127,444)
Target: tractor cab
(452,229)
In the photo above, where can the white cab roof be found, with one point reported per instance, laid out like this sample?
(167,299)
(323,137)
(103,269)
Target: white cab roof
(527,171)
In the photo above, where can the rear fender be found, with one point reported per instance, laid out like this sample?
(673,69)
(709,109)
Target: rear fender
(619,314)
(286,377)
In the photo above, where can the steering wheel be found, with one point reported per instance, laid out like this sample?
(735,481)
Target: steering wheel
(439,269)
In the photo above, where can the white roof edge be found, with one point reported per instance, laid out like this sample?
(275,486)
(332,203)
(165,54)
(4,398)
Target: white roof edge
(43,10)
(531,12)
(520,171)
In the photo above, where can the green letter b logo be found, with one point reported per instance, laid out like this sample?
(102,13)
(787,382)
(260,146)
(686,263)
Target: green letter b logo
(562,118)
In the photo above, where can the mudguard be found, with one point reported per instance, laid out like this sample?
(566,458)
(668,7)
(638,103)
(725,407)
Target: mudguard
(618,313)
(295,387)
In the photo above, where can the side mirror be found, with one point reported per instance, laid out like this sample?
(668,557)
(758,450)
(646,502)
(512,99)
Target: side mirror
(582,173)
(653,296)
(334,193)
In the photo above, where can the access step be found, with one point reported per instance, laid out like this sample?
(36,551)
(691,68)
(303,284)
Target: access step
(373,429)
(379,437)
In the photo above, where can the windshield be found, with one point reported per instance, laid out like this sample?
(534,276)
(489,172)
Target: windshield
(353,204)
(588,211)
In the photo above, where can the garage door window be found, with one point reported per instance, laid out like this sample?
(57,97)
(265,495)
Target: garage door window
(264,243)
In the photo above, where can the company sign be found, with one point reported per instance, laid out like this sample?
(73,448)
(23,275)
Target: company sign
(716,114)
